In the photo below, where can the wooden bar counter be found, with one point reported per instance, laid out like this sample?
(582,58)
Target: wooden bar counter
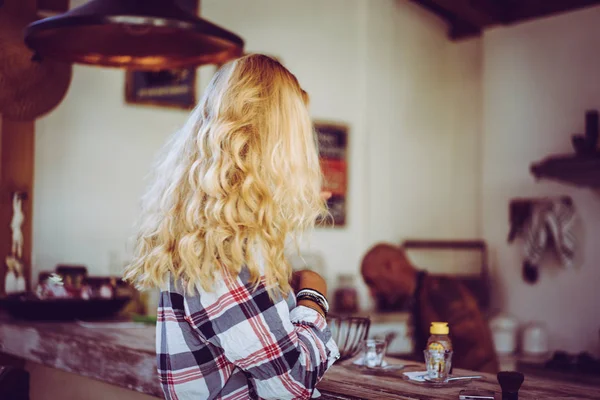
(122,354)
(343,382)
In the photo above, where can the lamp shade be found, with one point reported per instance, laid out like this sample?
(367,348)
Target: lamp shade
(133,34)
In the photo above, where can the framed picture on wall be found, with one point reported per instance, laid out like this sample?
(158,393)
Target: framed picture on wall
(333,149)
(167,88)
(174,88)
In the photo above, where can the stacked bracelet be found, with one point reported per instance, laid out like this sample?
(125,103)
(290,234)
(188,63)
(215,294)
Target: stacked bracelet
(314,296)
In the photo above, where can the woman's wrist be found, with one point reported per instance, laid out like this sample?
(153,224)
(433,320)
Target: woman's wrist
(312,305)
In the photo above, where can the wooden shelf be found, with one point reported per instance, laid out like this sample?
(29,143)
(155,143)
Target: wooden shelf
(570,169)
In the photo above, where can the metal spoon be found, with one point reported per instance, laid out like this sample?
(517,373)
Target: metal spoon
(457,378)
(454,378)
(392,367)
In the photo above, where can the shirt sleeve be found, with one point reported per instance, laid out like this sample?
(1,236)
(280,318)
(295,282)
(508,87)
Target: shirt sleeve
(283,353)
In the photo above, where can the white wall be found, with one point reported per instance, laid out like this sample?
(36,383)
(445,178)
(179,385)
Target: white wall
(539,78)
(383,67)
(424,123)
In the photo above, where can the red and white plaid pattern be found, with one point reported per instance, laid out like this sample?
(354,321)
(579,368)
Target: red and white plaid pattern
(235,343)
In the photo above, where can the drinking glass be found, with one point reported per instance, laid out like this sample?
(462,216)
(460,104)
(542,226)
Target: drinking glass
(438,365)
(373,351)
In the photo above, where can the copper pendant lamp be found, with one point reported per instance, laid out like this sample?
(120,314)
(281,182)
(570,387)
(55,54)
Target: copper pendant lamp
(132,34)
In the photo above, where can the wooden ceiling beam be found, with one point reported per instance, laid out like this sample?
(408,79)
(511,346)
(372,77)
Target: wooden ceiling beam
(479,13)
(469,17)
(466,17)
(520,10)
(457,28)
(460,30)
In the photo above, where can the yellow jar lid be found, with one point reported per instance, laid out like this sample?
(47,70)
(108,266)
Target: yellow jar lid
(439,328)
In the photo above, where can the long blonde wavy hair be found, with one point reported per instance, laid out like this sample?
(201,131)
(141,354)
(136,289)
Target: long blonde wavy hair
(230,188)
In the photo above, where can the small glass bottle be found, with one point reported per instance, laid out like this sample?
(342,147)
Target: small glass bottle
(346,296)
(438,353)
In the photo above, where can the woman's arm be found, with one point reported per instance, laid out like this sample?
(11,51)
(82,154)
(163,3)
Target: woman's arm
(284,353)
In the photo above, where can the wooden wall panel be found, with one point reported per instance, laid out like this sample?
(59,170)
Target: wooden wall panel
(16,171)
(16,174)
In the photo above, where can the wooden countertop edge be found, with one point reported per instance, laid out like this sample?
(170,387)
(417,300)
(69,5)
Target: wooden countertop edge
(101,355)
(104,361)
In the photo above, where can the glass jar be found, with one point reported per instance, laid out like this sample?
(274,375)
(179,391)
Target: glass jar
(438,354)
(346,295)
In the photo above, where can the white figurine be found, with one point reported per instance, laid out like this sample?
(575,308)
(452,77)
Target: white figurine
(14,281)
(13,278)
(15,226)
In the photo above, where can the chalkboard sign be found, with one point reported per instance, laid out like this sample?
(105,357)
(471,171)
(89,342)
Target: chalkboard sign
(167,88)
(333,147)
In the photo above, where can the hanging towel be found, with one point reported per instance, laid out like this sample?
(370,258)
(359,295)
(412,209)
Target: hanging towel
(551,219)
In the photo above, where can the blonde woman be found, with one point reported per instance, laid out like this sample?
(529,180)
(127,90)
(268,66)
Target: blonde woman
(238,182)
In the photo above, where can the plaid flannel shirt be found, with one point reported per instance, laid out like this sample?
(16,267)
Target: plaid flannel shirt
(235,343)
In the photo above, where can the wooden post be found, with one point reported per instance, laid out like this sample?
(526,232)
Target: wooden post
(16,175)
(16,172)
